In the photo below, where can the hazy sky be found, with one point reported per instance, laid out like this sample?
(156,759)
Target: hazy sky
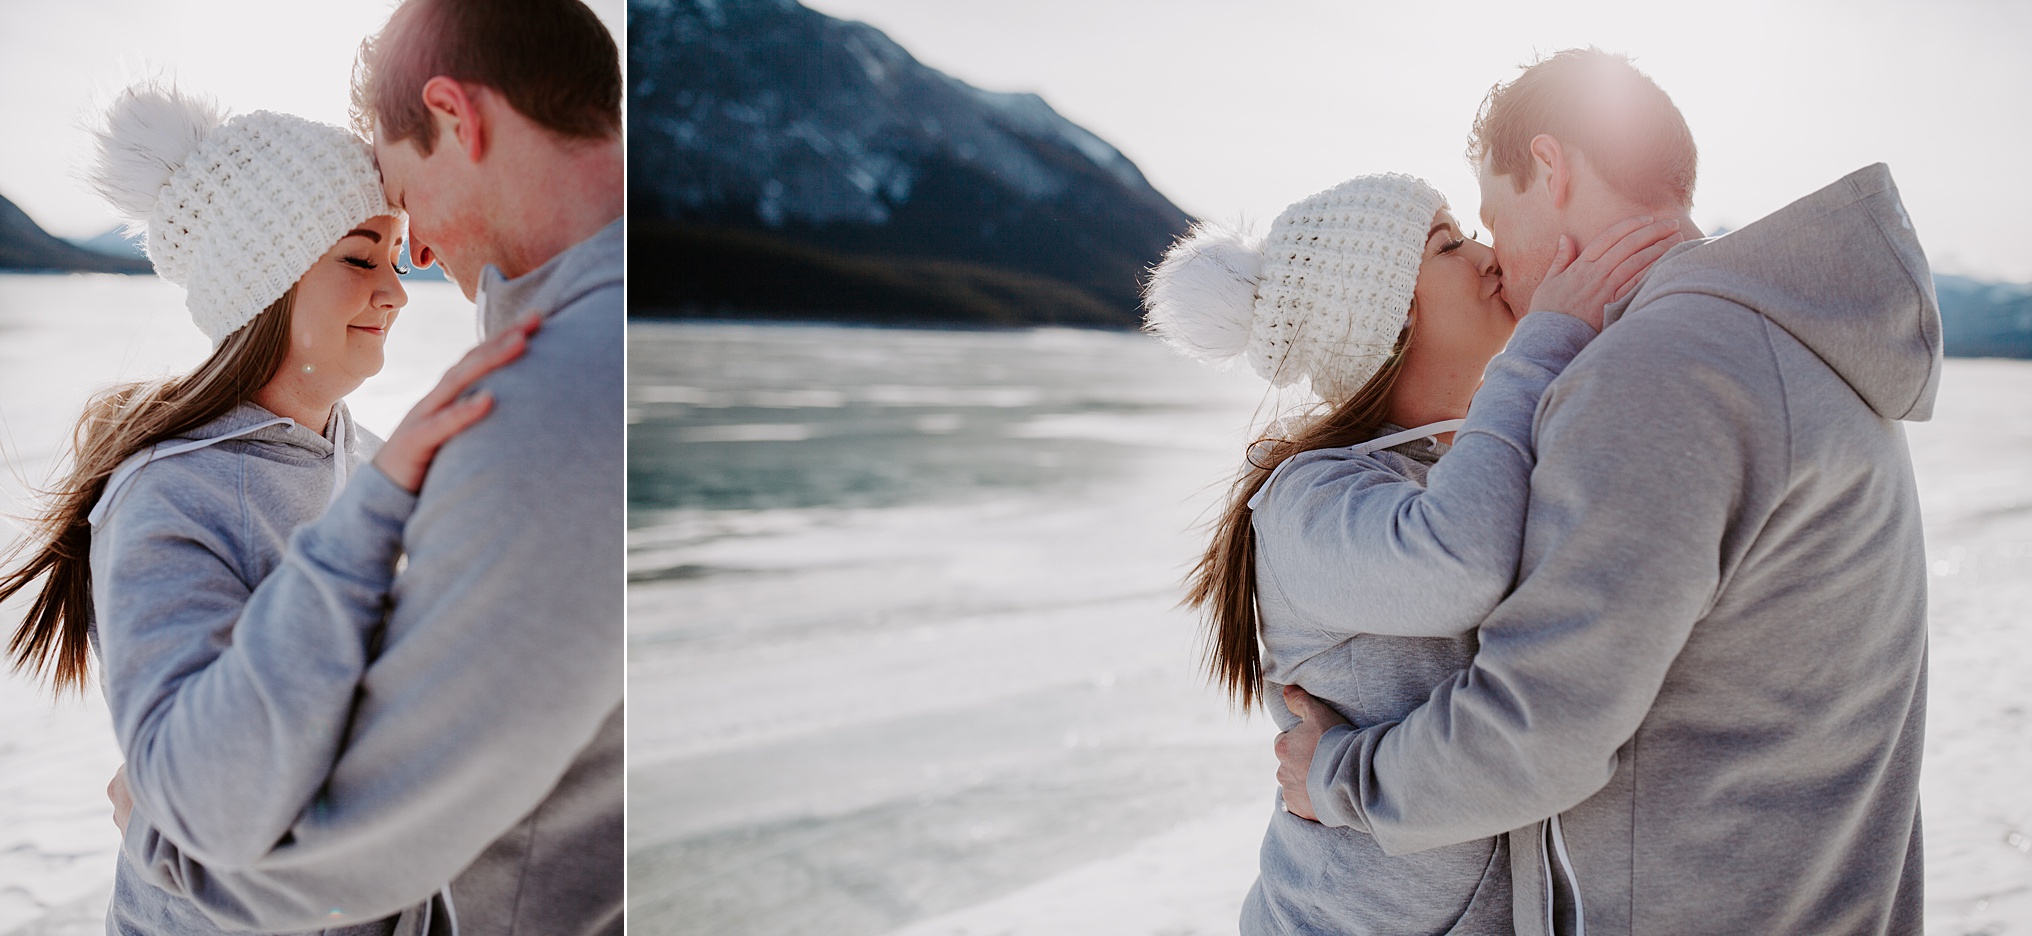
(1239,108)
(58,58)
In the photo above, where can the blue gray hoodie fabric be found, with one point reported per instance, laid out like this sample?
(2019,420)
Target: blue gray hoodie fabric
(177,551)
(443,743)
(1712,665)
(1373,571)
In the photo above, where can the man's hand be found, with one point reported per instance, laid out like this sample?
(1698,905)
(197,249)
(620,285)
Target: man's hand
(123,801)
(1295,747)
(442,413)
(1580,283)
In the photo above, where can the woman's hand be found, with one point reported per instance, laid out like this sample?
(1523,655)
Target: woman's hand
(1582,284)
(123,801)
(442,414)
(1295,748)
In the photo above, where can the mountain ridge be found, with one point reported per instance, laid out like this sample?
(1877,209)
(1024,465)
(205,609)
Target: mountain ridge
(26,248)
(786,163)
(1984,318)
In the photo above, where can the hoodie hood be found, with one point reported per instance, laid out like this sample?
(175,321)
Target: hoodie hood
(287,441)
(594,263)
(307,441)
(1840,270)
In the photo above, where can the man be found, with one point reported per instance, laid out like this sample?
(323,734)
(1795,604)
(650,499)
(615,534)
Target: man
(480,776)
(1711,670)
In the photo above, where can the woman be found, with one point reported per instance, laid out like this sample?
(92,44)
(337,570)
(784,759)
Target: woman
(181,493)
(1342,548)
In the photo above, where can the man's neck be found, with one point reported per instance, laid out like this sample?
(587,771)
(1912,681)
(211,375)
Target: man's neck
(1584,229)
(567,193)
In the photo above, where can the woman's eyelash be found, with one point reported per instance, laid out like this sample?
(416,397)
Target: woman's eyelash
(362,264)
(1453,245)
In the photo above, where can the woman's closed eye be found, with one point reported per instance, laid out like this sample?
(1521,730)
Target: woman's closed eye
(361,262)
(1457,240)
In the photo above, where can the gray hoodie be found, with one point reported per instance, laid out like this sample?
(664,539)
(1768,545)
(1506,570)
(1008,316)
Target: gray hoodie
(483,746)
(180,540)
(1712,664)
(1373,571)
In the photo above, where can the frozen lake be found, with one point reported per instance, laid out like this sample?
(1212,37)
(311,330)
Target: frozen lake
(904,655)
(61,337)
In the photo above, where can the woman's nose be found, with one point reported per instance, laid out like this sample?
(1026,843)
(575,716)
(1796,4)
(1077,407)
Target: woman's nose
(391,295)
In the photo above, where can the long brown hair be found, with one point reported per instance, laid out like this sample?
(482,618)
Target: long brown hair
(118,422)
(1222,585)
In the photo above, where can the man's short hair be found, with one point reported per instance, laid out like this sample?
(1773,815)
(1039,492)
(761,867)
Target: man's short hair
(553,60)
(1598,103)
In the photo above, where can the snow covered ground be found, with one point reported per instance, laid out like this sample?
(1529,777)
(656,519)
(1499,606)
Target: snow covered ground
(60,338)
(1974,462)
(918,707)
(914,707)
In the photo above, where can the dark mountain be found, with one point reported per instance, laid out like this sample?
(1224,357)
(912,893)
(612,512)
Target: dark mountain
(26,248)
(782,163)
(1980,319)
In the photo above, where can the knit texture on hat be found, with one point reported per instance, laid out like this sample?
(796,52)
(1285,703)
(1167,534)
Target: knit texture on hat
(1322,298)
(236,210)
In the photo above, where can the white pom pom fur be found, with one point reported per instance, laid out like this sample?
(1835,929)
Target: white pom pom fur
(148,132)
(1201,299)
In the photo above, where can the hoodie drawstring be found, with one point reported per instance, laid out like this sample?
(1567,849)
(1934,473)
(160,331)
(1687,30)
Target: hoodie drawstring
(1552,851)
(1429,431)
(139,460)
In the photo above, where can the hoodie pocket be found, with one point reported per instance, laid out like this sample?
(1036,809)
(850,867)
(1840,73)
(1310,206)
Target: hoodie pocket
(1489,911)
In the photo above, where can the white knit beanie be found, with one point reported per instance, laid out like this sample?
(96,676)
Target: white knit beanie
(236,210)
(1322,297)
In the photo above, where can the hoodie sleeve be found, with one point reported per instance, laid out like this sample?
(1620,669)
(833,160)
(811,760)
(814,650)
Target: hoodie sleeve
(501,659)
(193,690)
(1661,450)
(1354,547)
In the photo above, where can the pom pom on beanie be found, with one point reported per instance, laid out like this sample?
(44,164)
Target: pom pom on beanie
(148,133)
(1201,298)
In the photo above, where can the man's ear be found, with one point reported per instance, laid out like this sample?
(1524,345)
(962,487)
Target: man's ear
(1555,164)
(458,116)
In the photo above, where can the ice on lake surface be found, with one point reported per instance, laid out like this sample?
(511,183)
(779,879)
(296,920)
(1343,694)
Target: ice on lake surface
(61,338)
(905,656)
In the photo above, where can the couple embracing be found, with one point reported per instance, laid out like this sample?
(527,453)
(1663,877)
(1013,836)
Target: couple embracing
(362,687)
(1636,642)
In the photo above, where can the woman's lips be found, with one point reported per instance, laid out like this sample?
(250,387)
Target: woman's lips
(381,330)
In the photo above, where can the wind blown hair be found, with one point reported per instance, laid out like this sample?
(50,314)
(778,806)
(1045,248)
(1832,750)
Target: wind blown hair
(1222,585)
(53,639)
